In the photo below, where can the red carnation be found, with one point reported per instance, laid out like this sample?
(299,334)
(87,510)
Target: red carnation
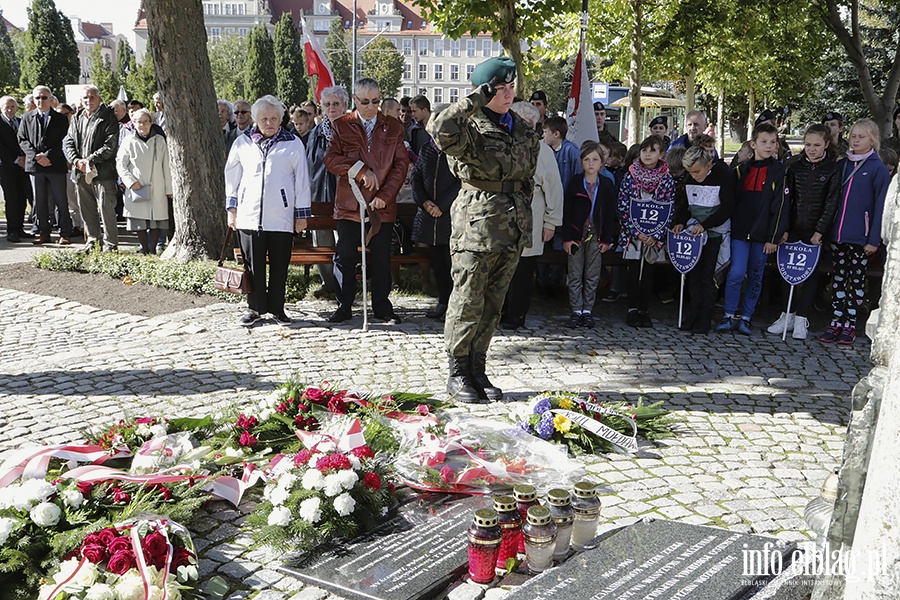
(333,461)
(120,497)
(312,424)
(300,422)
(245,422)
(247,439)
(281,408)
(145,421)
(337,406)
(302,457)
(302,407)
(165,492)
(109,534)
(119,544)
(94,553)
(181,557)
(423,409)
(121,562)
(372,481)
(362,452)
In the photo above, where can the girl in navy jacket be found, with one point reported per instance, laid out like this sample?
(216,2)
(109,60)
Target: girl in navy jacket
(589,229)
(856,233)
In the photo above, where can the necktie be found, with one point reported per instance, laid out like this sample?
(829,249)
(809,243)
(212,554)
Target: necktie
(370,127)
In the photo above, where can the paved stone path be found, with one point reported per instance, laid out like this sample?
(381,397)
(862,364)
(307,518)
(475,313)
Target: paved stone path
(763,421)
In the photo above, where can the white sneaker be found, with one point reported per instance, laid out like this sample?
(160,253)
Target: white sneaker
(801,327)
(778,326)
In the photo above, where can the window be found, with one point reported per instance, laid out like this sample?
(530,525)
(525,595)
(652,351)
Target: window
(454,72)
(487,47)
(423,47)
(438,95)
(407,71)
(423,92)
(215,32)
(229,31)
(407,47)
(438,72)
(423,72)
(320,25)
(470,48)
(454,47)
(454,95)
(407,91)
(409,24)
(215,9)
(227,9)
(242,31)
(438,47)
(469,69)
(242,10)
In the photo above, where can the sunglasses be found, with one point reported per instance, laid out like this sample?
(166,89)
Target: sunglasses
(42,97)
(242,112)
(373,102)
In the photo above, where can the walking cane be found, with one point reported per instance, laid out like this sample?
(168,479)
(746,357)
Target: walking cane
(362,238)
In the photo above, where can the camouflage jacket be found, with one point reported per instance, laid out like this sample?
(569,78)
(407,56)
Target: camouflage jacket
(479,150)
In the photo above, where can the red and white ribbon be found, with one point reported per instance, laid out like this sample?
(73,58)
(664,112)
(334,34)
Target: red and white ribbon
(32,463)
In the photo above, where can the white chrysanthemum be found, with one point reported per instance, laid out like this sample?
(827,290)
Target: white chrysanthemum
(333,484)
(158,430)
(355,462)
(73,499)
(310,510)
(278,496)
(287,481)
(313,480)
(129,586)
(100,591)
(6,527)
(348,479)
(344,504)
(283,466)
(45,514)
(280,515)
(267,491)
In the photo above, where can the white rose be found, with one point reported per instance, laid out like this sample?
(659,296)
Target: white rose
(313,480)
(8,496)
(310,510)
(73,499)
(129,587)
(333,484)
(6,527)
(143,430)
(33,491)
(100,591)
(85,577)
(45,514)
(344,504)
(280,516)
(348,479)
(265,414)
(278,496)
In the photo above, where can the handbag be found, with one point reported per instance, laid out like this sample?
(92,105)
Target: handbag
(233,280)
(142,194)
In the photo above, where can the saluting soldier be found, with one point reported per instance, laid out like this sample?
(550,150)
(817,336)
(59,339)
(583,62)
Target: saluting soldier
(494,152)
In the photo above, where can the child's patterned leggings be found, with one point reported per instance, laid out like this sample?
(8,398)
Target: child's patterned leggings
(848,290)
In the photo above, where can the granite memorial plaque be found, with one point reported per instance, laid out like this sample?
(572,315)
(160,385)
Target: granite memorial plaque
(663,560)
(410,556)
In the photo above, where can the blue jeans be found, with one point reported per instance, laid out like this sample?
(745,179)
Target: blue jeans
(747,260)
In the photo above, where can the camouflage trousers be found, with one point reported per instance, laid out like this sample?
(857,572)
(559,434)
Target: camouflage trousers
(480,282)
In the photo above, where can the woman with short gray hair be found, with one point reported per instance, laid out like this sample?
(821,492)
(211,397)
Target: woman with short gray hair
(267,191)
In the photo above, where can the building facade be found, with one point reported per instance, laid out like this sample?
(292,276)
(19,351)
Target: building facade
(87,36)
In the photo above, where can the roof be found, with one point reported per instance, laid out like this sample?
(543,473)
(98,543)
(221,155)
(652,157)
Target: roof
(9,26)
(141,21)
(412,19)
(94,31)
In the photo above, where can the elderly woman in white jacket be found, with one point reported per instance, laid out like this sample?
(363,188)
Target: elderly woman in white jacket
(143,166)
(268,200)
(546,212)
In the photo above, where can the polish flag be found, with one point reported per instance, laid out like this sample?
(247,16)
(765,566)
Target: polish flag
(580,108)
(316,63)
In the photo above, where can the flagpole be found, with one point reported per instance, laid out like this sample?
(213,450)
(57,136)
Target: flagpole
(353,57)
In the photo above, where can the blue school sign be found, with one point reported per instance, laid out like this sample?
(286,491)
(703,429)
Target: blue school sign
(797,261)
(650,217)
(684,250)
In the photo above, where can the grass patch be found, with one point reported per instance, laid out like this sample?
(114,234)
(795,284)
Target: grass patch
(193,277)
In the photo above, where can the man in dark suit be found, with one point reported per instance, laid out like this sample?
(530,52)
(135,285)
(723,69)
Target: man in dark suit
(41,134)
(13,178)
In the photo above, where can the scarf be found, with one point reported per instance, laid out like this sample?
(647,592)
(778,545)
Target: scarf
(858,157)
(327,131)
(265,144)
(142,138)
(648,179)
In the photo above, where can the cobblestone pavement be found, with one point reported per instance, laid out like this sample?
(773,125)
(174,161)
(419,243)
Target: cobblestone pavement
(763,421)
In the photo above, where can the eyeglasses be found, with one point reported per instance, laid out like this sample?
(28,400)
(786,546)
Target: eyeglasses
(330,104)
(42,97)
(242,112)
(373,101)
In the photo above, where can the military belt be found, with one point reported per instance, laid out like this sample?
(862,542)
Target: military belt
(500,187)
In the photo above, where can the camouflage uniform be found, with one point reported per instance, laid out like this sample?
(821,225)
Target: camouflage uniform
(491,216)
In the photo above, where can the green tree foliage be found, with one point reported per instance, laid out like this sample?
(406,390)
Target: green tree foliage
(337,51)
(103,75)
(125,59)
(381,61)
(553,76)
(510,22)
(51,56)
(228,60)
(259,77)
(290,70)
(10,71)
(141,82)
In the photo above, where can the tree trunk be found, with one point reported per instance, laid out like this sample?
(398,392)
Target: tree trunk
(751,118)
(720,122)
(881,107)
(193,133)
(635,73)
(690,84)
(511,40)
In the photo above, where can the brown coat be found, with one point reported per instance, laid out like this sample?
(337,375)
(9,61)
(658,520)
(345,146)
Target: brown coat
(387,158)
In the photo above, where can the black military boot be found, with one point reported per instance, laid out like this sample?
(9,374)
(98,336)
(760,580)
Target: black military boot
(488,390)
(459,385)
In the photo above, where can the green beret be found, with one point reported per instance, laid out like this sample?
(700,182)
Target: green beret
(502,69)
